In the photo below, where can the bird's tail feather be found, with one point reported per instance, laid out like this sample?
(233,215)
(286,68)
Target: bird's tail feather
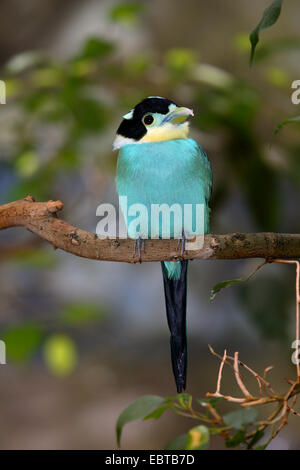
(175,297)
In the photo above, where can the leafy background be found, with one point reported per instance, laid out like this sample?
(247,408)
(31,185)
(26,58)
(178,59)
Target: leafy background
(85,338)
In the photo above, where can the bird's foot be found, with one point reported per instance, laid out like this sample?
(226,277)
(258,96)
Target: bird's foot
(181,243)
(138,247)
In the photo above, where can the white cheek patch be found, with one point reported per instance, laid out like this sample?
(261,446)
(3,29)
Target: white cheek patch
(120,140)
(129,115)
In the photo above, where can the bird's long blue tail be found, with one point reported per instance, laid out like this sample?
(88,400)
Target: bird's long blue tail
(175,285)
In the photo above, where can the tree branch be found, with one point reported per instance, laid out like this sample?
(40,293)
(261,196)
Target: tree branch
(41,219)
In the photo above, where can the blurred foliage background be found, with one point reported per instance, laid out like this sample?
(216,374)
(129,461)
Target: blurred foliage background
(86,338)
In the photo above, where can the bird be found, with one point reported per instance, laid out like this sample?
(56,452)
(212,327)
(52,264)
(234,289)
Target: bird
(160,164)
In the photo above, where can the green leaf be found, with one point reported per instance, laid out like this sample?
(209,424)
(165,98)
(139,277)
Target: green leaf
(126,13)
(212,401)
(37,100)
(156,414)
(241,418)
(277,76)
(261,447)
(197,438)
(241,42)
(180,59)
(95,48)
(185,400)
(237,439)
(139,409)
(257,436)
(179,443)
(22,341)
(80,313)
(27,163)
(285,122)
(47,77)
(88,114)
(222,285)
(270,16)
(137,65)
(60,354)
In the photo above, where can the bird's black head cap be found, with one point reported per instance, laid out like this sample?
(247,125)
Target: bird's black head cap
(134,128)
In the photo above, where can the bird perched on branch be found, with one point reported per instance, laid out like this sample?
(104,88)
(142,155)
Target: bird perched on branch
(159,168)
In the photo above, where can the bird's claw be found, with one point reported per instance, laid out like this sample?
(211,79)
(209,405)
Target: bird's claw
(138,246)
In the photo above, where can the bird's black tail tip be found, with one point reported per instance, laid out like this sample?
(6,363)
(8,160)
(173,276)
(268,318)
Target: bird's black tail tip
(180,388)
(175,296)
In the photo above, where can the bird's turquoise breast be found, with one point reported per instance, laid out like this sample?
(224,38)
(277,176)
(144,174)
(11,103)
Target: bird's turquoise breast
(169,172)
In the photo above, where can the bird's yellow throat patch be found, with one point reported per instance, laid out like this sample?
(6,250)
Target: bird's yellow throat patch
(166,132)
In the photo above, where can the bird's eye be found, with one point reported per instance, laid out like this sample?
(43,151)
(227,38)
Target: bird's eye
(148,119)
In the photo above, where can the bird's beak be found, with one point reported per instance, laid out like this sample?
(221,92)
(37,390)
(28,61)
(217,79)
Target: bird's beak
(178,116)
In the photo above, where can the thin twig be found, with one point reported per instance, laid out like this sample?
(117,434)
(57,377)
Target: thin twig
(255,270)
(238,377)
(220,373)
(245,366)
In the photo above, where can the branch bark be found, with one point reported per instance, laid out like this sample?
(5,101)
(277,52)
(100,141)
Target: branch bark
(41,219)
